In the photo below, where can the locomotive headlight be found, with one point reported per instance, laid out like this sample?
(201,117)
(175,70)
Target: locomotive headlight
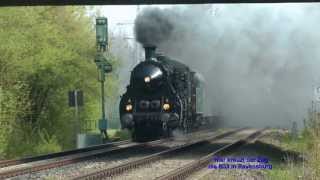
(128,107)
(147,79)
(166,106)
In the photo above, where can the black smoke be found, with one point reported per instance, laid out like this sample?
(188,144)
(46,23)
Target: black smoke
(153,26)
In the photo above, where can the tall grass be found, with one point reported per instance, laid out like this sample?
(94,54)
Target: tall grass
(312,128)
(308,144)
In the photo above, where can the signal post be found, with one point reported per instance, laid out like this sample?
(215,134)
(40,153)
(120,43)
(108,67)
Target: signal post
(103,67)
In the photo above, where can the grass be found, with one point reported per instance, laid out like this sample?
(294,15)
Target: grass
(287,172)
(114,134)
(118,134)
(301,143)
(308,145)
(314,160)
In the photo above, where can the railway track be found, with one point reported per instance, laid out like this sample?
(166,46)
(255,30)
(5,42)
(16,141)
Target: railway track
(125,167)
(188,169)
(6,163)
(36,164)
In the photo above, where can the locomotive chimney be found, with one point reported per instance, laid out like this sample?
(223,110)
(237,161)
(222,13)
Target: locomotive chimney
(150,52)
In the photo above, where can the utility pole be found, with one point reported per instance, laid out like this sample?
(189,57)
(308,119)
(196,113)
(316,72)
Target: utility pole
(77,112)
(103,66)
(76,101)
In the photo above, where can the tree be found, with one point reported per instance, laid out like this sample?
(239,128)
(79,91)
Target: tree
(47,52)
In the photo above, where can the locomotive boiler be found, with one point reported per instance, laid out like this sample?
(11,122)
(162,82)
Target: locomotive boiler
(163,95)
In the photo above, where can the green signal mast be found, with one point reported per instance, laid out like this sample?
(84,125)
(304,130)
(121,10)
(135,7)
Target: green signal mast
(103,67)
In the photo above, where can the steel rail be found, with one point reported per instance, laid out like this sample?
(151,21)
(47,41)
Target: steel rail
(12,162)
(184,171)
(6,163)
(72,160)
(109,172)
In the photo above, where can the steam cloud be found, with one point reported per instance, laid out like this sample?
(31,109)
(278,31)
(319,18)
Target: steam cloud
(261,62)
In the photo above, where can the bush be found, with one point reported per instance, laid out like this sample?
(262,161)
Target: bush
(122,134)
(31,142)
(47,144)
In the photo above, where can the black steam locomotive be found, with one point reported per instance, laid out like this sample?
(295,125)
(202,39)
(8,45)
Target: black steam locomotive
(163,95)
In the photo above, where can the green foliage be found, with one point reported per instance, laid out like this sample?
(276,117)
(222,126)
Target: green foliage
(122,134)
(28,141)
(47,51)
(300,144)
(118,134)
(308,144)
(313,130)
(48,144)
(290,172)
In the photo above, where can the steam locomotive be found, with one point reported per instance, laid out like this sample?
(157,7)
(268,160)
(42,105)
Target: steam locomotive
(163,95)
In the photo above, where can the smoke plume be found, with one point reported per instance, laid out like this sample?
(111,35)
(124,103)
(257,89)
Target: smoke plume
(153,27)
(260,61)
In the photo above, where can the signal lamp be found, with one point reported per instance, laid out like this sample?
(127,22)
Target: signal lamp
(102,31)
(166,106)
